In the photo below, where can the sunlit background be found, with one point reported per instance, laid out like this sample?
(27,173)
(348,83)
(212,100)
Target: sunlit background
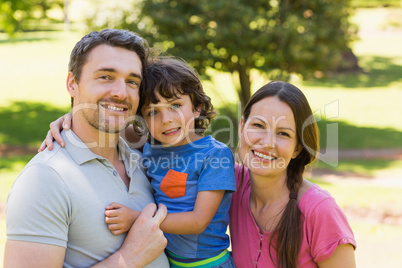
(345,55)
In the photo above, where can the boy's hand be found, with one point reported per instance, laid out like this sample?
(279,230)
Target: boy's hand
(63,122)
(120,218)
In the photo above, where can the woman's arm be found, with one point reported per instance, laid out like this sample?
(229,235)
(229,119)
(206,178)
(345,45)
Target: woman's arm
(344,256)
(196,221)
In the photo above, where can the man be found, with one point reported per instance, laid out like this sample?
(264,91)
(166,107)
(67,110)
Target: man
(55,210)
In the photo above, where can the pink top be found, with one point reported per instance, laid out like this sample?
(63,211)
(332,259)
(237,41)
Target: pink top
(324,228)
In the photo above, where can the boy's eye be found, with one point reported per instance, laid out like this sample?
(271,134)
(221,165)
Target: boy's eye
(105,77)
(175,106)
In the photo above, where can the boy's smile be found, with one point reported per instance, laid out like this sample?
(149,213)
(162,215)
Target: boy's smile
(171,122)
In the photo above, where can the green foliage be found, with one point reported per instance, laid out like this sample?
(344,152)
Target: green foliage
(14,13)
(276,37)
(376,3)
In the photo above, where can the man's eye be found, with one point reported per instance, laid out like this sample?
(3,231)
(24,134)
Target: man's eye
(152,113)
(105,77)
(133,82)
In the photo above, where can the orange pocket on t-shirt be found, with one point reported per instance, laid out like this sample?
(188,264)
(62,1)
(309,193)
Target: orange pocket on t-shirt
(174,184)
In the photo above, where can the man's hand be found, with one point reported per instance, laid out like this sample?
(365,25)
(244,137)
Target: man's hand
(145,240)
(120,218)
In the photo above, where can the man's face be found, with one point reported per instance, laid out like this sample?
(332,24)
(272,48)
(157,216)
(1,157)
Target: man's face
(107,94)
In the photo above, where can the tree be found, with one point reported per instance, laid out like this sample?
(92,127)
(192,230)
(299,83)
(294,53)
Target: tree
(276,37)
(15,12)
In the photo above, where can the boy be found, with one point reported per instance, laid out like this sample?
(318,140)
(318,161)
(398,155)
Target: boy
(191,174)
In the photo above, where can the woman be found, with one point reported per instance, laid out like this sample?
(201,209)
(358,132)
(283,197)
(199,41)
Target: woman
(277,218)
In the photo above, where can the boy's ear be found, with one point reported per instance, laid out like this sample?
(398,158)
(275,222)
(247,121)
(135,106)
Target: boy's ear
(197,111)
(71,85)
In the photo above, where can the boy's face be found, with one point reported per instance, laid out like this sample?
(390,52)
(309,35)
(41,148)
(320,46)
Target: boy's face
(171,122)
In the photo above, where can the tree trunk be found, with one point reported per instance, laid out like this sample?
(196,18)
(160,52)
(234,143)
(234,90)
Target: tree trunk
(244,91)
(67,23)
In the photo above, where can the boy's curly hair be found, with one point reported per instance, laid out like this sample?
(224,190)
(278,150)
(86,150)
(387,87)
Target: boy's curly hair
(171,77)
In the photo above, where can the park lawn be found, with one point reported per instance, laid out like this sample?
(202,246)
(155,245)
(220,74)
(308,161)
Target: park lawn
(34,66)
(378,245)
(2,238)
(371,237)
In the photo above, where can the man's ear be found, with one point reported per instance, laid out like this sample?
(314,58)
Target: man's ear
(71,85)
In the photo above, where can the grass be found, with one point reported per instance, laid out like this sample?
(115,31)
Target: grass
(375,3)
(377,245)
(26,123)
(34,65)
(364,106)
(364,196)
(365,168)
(9,169)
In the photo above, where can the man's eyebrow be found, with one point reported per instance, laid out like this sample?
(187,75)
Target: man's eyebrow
(113,70)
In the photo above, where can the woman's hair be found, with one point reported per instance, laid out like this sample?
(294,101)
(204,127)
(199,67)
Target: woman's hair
(170,77)
(289,229)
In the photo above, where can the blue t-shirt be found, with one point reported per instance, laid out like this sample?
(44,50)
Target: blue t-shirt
(178,174)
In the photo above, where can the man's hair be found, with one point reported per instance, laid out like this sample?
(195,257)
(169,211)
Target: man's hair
(170,77)
(111,37)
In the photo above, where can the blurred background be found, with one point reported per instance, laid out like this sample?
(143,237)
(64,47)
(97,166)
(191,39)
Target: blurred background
(345,55)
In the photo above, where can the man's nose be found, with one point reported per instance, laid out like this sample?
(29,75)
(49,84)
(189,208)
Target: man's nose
(119,89)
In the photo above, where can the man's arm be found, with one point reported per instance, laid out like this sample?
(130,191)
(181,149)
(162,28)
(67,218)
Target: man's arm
(144,243)
(22,254)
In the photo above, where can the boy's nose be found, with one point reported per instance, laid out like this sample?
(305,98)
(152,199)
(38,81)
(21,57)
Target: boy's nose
(167,117)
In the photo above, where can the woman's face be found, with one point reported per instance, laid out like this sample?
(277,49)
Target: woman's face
(268,139)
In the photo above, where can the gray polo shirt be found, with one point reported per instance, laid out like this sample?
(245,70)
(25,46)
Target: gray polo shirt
(60,198)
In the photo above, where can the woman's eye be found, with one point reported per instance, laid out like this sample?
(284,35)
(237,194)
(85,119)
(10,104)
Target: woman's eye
(284,134)
(258,125)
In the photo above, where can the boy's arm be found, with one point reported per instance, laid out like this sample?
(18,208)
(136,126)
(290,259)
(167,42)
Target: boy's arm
(132,135)
(196,221)
(120,218)
(63,122)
